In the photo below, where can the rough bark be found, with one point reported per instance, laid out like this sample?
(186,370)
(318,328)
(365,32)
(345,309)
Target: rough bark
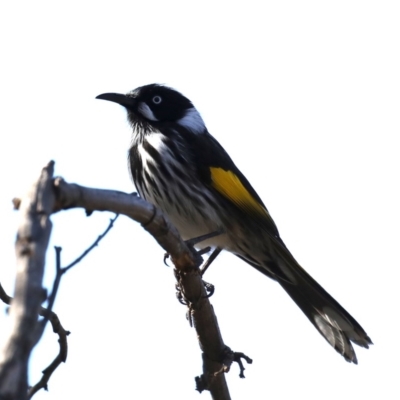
(31,244)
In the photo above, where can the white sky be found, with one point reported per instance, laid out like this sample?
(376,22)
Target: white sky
(305,98)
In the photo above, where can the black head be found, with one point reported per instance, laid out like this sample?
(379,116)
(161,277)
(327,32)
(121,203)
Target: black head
(156,104)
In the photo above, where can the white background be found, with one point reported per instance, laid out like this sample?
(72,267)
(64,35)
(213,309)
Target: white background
(305,98)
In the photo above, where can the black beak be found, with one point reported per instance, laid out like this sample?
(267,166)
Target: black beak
(122,99)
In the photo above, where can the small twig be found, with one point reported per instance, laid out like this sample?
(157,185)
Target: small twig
(4,296)
(52,297)
(61,356)
(56,284)
(48,314)
(62,340)
(90,248)
(62,270)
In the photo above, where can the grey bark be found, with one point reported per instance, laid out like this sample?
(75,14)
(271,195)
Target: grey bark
(47,196)
(30,247)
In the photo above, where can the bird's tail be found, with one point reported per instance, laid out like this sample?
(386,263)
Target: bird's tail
(334,323)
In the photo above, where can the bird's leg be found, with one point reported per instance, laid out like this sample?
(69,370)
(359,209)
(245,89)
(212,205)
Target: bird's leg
(192,242)
(210,259)
(208,286)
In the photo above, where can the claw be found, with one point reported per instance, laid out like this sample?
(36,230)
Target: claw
(210,289)
(166,256)
(229,357)
(237,357)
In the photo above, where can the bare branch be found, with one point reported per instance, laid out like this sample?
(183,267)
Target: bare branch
(60,271)
(185,259)
(32,240)
(49,315)
(62,340)
(61,356)
(73,195)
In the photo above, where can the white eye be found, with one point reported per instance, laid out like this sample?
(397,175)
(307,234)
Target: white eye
(157,99)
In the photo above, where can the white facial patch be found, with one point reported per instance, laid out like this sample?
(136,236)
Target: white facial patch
(145,110)
(192,121)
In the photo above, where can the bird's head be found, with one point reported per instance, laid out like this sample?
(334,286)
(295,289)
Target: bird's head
(154,105)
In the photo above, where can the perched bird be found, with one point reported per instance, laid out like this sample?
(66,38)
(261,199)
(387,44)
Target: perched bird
(178,166)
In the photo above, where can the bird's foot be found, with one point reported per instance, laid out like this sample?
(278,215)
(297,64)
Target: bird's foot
(204,381)
(229,357)
(209,287)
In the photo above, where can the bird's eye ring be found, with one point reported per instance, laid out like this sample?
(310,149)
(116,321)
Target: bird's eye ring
(157,99)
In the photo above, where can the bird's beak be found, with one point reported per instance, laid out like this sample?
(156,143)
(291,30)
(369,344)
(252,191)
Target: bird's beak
(122,99)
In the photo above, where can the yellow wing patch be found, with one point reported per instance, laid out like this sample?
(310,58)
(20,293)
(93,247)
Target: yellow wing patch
(229,185)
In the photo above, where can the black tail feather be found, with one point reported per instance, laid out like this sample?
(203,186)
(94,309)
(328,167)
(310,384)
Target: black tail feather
(334,323)
(331,320)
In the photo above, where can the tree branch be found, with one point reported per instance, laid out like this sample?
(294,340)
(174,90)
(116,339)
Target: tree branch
(62,340)
(32,240)
(186,263)
(62,353)
(185,259)
(70,195)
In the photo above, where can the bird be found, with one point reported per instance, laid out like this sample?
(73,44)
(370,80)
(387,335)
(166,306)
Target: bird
(178,166)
